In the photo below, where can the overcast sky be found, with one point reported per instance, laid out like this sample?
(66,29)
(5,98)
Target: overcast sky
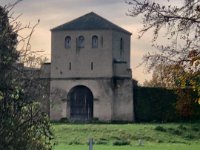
(55,12)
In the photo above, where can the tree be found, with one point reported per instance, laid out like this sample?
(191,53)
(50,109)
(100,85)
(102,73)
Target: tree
(165,76)
(158,77)
(181,24)
(22,123)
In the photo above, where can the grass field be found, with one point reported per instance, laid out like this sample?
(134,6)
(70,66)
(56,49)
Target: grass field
(128,136)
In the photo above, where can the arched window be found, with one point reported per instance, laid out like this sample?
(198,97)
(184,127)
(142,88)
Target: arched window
(67,42)
(81,41)
(94,41)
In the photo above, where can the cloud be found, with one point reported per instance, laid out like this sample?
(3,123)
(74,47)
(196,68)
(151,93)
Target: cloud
(55,12)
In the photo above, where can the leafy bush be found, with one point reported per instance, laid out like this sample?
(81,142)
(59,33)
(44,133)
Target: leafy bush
(154,105)
(181,127)
(102,141)
(195,129)
(75,142)
(159,128)
(64,120)
(175,131)
(190,137)
(159,141)
(121,142)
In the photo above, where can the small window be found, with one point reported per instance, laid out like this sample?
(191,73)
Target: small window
(92,66)
(81,41)
(70,66)
(67,42)
(121,46)
(102,41)
(94,41)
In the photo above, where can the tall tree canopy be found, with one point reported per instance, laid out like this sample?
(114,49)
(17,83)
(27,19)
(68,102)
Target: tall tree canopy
(182,26)
(22,124)
(176,64)
(165,76)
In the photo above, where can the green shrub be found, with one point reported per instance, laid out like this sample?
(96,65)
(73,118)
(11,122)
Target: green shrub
(121,142)
(190,137)
(75,143)
(159,141)
(64,120)
(102,141)
(95,119)
(181,127)
(159,128)
(155,105)
(119,122)
(176,132)
(195,129)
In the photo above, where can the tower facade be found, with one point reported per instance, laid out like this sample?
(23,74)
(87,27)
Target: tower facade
(90,71)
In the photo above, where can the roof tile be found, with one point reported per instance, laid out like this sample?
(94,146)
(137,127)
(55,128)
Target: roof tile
(90,21)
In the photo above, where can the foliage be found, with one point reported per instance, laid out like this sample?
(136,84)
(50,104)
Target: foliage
(160,128)
(183,30)
(187,105)
(121,142)
(22,125)
(181,24)
(165,76)
(155,105)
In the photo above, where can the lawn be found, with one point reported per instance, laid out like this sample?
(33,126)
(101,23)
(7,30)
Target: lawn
(128,136)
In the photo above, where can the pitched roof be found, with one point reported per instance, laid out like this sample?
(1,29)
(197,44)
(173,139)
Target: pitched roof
(90,21)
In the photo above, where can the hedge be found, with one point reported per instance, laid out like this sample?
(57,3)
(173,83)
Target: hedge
(154,104)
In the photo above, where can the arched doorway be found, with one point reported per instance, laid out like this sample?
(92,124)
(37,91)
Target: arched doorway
(81,103)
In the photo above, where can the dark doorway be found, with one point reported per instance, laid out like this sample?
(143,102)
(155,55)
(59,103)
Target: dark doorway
(81,103)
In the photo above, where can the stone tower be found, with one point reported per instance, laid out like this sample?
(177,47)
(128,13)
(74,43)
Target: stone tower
(90,71)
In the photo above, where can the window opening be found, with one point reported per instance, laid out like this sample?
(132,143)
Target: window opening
(81,41)
(92,66)
(121,46)
(68,42)
(94,41)
(70,66)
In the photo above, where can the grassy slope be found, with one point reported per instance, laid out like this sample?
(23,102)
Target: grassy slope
(167,136)
(145,147)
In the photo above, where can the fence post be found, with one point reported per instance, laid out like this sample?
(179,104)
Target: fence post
(90,144)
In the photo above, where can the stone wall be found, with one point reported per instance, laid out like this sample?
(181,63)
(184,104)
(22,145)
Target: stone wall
(111,102)
(81,58)
(123,106)
(100,88)
(70,67)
